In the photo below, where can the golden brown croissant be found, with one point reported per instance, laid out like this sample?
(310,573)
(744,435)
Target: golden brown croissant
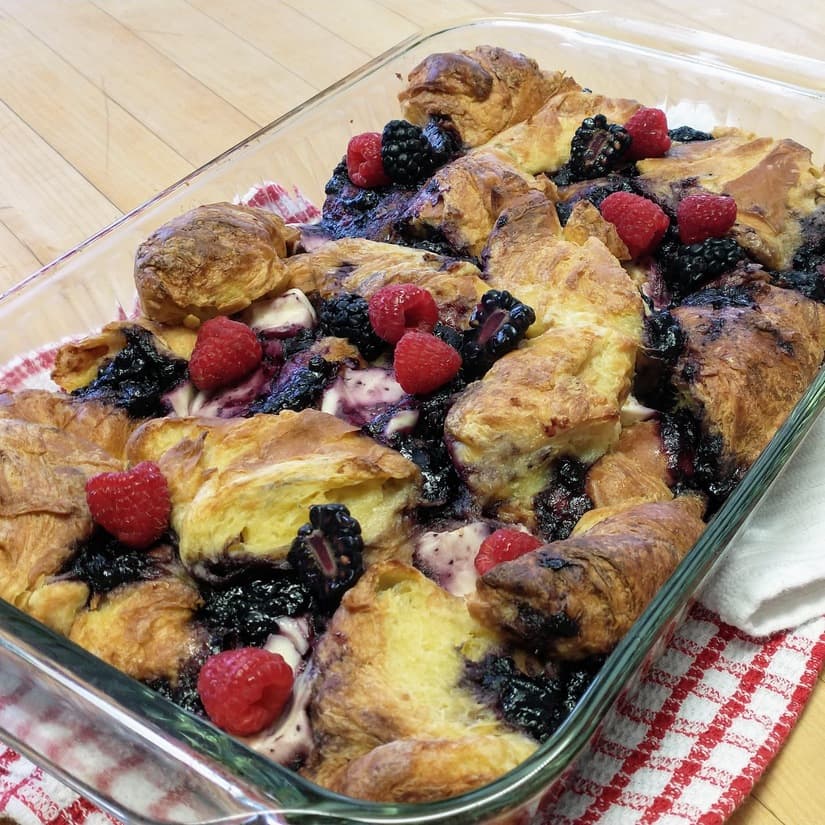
(746,362)
(241,488)
(480,92)
(578,597)
(213,260)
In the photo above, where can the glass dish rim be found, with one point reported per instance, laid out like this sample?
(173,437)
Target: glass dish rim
(532,776)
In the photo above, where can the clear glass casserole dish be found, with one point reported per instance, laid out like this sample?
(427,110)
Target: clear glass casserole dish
(51,691)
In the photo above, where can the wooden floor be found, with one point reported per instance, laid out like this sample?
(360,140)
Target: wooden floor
(104,102)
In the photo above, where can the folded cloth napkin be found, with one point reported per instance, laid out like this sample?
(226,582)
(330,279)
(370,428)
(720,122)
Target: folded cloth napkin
(772,577)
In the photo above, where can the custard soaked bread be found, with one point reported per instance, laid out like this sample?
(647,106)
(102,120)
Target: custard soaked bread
(379,494)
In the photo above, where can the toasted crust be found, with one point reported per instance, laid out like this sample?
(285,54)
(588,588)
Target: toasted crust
(214,260)
(578,597)
(145,629)
(464,199)
(635,469)
(481,91)
(93,421)
(559,394)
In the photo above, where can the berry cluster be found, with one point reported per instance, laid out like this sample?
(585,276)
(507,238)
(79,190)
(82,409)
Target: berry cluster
(402,153)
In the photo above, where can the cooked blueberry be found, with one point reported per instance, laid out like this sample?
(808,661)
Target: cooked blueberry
(563,502)
(104,563)
(298,389)
(137,378)
(687,134)
(246,611)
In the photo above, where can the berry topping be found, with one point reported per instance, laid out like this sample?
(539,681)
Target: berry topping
(505,544)
(423,362)
(703,216)
(347,316)
(686,267)
(396,308)
(597,147)
(245,690)
(408,155)
(137,378)
(132,505)
(328,554)
(497,324)
(297,388)
(649,135)
(687,134)
(246,611)
(641,224)
(225,351)
(364,165)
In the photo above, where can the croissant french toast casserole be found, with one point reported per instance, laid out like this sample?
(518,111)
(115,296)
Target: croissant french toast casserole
(379,493)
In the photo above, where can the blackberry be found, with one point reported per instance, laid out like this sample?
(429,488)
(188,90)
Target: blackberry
(407,154)
(597,148)
(687,134)
(299,390)
(347,316)
(563,502)
(328,554)
(137,378)
(104,563)
(245,612)
(686,267)
(497,325)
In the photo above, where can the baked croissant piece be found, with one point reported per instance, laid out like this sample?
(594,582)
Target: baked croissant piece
(214,260)
(392,713)
(480,91)
(578,597)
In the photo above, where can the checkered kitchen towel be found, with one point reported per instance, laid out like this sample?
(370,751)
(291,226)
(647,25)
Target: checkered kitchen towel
(684,747)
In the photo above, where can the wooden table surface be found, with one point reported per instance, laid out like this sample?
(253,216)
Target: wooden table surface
(104,102)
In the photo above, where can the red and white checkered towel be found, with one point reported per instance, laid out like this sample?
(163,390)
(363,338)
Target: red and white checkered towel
(684,747)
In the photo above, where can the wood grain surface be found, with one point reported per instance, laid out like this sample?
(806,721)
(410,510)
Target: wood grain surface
(105,102)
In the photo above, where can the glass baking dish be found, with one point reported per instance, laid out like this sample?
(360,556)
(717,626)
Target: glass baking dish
(71,713)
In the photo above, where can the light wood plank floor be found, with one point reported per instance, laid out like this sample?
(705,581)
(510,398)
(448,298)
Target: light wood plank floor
(104,102)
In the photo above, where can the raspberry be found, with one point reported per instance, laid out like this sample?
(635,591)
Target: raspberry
(649,134)
(641,224)
(504,545)
(225,351)
(703,216)
(245,690)
(423,362)
(364,165)
(132,505)
(398,307)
